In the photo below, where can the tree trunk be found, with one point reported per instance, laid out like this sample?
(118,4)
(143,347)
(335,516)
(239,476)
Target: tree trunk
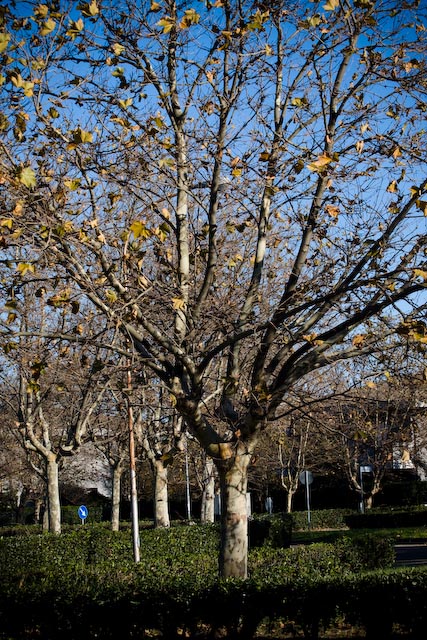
(115,496)
(38,511)
(289,501)
(53,501)
(161,506)
(233,557)
(208,492)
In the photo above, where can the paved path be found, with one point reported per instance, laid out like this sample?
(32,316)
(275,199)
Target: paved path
(411,554)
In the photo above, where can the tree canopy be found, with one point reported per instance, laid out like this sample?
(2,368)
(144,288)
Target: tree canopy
(237,188)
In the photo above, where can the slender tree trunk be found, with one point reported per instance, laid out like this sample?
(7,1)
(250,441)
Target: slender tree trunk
(115,496)
(208,492)
(21,499)
(233,557)
(161,503)
(53,501)
(38,510)
(289,501)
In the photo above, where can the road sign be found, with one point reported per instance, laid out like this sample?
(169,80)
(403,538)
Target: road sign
(83,512)
(366,469)
(306,477)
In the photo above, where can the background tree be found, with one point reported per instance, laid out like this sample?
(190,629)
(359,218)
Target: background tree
(140,140)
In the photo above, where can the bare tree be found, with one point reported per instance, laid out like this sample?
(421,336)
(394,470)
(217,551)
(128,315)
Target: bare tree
(139,141)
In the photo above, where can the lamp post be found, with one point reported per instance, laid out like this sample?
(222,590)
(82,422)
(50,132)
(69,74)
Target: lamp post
(363,469)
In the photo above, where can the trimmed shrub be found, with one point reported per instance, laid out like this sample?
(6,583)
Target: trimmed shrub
(321,519)
(385,519)
(85,584)
(272,530)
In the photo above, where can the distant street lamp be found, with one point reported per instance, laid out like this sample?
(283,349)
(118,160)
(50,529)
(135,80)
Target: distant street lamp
(363,469)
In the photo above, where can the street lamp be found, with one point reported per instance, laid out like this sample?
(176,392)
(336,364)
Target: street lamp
(363,469)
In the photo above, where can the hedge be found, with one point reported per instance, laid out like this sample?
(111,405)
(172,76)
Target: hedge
(84,584)
(321,519)
(388,518)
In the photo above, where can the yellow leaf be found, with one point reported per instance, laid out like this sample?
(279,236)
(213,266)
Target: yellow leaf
(89,10)
(166,162)
(125,103)
(139,229)
(166,23)
(23,267)
(264,156)
(4,41)
(190,17)
(72,184)
(332,210)
(258,19)
(358,341)
(28,88)
(7,222)
(111,296)
(74,28)
(310,337)
(422,206)
(79,137)
(392,187)
(331,5)
(18,208)
(420,273)
(27,177)
(41,10)
(118,48)
(47,27)
(397,153)
(17,80)
(371,385)
(178,303)
(320,164)
(237,172)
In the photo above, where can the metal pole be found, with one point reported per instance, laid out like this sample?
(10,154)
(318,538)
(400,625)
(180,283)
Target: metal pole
(187,481)
(362,500)
(307,497)
(132,469)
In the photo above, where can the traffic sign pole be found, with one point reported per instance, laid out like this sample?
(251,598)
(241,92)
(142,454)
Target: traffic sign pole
(83,513)
(307,497)
(306,478)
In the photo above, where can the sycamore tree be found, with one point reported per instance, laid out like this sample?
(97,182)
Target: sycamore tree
(228,184)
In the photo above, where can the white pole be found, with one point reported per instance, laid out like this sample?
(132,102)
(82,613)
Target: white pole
(362,501)
(187,481)
(132,465)
(307,497)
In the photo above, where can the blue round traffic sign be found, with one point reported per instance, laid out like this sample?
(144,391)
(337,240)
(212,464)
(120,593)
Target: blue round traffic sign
(83,512)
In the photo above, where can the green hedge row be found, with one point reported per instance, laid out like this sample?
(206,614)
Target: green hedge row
(129,607)
(321,519)
(84,584)
(385,519)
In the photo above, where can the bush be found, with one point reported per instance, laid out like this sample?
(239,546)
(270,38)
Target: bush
(385,519)
(272,530)
(85,584)
(321,519)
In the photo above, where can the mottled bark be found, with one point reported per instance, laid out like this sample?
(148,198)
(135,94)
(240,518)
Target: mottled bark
(233,559)
(115,496)
(53,500)
(208,492)
(161,505)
